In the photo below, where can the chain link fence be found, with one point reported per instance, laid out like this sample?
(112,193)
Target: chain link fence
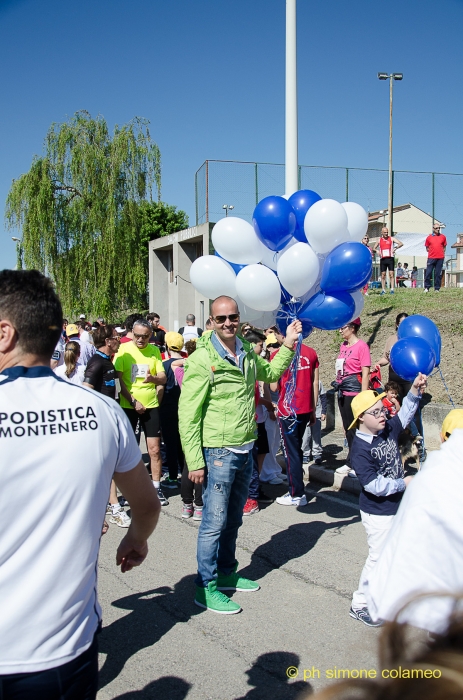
(242,185)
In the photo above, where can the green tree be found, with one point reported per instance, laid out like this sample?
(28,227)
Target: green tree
(158,219)
(78,209)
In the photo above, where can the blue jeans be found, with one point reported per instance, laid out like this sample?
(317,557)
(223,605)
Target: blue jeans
(226,491)
(76,680)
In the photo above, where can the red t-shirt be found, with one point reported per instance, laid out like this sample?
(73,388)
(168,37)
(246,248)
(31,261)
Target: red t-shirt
(125,339)
(435,246)
(303,396)
(386,247)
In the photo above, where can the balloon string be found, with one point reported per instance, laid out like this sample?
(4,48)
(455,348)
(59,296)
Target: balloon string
(446,387)
(289,404)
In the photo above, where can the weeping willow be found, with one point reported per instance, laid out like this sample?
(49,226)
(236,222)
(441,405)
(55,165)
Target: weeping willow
(78,212)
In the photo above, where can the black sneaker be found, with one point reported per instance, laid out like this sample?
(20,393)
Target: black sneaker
(364,616)
(163,500)
(263,498)
(318,460)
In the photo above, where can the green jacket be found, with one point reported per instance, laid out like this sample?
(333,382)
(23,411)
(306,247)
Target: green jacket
(217,404)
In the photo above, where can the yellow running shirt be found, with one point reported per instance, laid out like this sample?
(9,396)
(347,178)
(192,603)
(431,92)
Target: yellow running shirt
(134,363)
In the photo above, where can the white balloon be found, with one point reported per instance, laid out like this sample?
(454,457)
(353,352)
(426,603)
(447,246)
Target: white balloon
(325,225)
(359,299)
(246,313)
(211,276)
(298,269)
(357,220)
(235,240)
(270,257)
(258,287)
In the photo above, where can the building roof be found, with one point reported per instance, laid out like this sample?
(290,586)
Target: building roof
(376,215)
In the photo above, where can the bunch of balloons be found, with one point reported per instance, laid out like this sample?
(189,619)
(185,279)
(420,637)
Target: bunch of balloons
(302,257)
(418,347)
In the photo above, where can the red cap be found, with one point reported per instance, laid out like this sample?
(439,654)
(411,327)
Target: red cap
(356,321)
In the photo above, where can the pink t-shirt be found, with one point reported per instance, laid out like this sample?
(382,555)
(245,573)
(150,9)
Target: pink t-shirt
(355,357)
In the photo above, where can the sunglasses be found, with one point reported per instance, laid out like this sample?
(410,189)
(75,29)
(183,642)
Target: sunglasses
(141,336)
(233,318)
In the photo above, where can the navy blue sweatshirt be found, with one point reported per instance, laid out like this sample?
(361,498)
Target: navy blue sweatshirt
(377,462)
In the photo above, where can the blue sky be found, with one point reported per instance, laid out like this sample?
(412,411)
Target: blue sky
(209,75)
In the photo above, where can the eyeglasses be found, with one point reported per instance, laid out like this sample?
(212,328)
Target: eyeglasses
(233,318)
(377,412)
(141,336)
(115,337)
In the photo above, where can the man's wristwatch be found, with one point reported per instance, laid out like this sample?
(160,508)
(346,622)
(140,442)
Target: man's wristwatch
(133,401)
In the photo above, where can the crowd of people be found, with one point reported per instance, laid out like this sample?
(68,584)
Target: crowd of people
(215,406)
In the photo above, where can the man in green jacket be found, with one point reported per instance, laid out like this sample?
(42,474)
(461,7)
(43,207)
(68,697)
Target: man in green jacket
(218,429)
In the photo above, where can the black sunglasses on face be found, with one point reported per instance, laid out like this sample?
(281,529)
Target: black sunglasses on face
(233,318)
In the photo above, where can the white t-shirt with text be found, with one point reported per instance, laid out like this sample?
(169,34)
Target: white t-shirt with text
(60,445)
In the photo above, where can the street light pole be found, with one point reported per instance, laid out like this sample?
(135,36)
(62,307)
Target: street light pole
(291,147)
(391,78)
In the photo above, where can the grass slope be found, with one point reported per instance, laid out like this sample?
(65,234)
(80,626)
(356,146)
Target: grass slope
(378,322)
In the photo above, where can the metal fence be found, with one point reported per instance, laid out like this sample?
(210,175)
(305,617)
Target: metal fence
(243,185)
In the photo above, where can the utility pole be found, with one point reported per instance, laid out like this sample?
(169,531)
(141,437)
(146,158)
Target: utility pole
(291,148)
(391,77)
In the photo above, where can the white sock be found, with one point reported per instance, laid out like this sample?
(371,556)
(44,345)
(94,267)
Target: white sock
(156,484)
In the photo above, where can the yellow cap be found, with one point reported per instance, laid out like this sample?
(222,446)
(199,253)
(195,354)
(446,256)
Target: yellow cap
(271,339)
(362,402)
(174,341)
(452,420)
(71,329)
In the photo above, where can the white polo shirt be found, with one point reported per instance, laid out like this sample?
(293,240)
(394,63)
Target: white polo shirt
(59,447)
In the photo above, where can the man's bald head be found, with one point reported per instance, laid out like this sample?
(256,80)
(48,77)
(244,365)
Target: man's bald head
(224,305)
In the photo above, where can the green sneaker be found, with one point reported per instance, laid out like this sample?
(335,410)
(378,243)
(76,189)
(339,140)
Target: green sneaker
(215,601)
(235,582)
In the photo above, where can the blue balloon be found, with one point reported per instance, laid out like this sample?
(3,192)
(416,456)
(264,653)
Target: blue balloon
(347,268)
(410,356)
(286,315)
(301,202)
(274,222)
(328,311)
(418,326)
(237,268)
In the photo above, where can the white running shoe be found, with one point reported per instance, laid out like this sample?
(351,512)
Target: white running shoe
(120,518)
(288,500)
(352,474)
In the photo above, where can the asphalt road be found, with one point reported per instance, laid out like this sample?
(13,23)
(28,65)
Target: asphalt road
(157,644)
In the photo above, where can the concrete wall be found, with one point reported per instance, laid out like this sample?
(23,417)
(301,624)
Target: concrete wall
(171,293)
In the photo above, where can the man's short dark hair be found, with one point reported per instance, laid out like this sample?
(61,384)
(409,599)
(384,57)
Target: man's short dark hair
(29,301)
(101,335)
(82,324)
(151,316)
(129,321)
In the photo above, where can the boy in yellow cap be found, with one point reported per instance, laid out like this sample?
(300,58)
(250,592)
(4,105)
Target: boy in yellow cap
(375,456)
(453,420)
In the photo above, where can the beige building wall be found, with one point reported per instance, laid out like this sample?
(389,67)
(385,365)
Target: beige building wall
(171,293)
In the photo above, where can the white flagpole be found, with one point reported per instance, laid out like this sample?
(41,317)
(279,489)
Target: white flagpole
(291,158)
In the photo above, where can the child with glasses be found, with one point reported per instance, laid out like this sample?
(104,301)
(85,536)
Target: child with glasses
(376,458)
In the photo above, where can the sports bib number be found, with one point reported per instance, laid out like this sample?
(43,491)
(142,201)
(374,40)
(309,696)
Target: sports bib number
(139,371)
